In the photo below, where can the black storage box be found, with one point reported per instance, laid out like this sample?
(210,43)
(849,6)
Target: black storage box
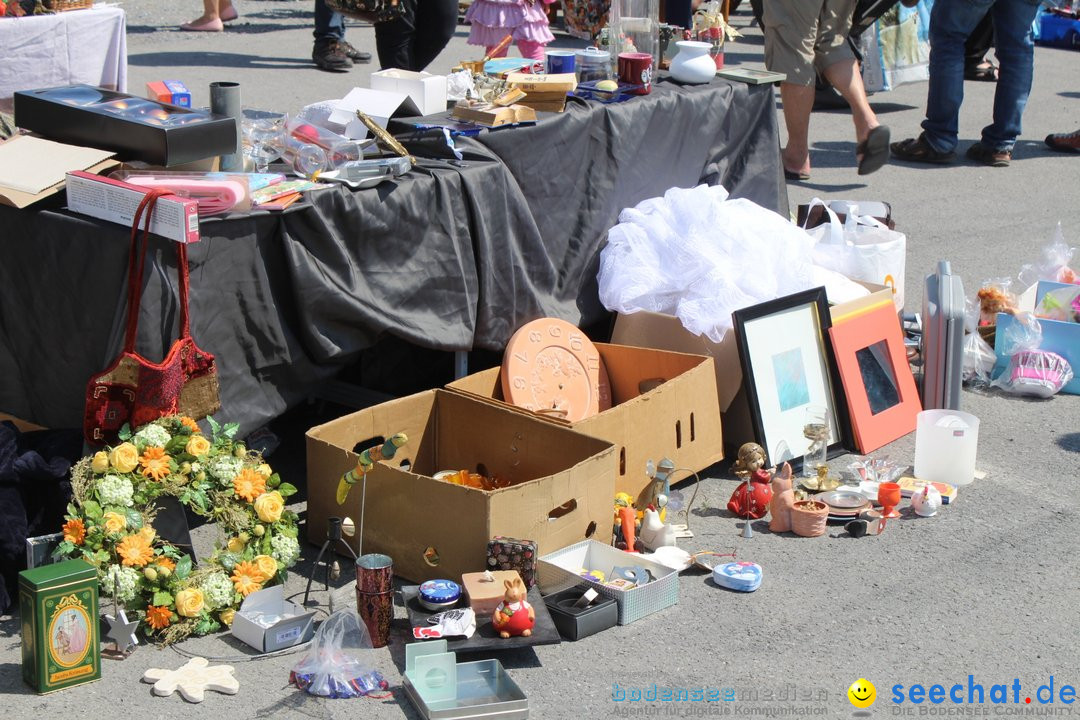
(576,623)
(135,128)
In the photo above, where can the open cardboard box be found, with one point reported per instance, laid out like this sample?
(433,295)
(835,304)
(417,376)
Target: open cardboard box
(656,330)
(561,492)
(679,419)
(297,625)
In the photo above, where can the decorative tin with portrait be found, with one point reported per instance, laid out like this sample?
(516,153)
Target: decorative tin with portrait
(59,608)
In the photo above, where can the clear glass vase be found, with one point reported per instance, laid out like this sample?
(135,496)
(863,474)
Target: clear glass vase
(815,430)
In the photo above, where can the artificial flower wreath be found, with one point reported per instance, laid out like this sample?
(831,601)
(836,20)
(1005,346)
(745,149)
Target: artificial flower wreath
(110,524)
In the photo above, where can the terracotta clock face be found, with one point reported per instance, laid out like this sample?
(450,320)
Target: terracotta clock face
(551,367)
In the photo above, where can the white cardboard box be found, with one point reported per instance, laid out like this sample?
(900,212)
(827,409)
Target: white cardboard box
(175,218)
(379,104)
(296,625)
(427,91)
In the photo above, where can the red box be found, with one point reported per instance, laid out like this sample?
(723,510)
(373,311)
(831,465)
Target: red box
(172,92)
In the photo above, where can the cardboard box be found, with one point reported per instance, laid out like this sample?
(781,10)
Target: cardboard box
(134,128)
(427,91)
(297,624)
(678,419)
(175,218)
(656,330)
(562,482)
(171,92)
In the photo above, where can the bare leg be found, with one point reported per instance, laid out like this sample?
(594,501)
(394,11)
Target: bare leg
(798,102)
(844,76)
(225,10)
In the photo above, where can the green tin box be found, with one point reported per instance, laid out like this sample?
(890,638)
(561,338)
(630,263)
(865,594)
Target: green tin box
(60,626)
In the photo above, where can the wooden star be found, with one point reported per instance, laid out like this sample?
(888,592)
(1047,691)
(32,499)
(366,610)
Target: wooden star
(121,631)
(193,678)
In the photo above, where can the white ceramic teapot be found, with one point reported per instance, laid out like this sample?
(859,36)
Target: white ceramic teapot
(926,501)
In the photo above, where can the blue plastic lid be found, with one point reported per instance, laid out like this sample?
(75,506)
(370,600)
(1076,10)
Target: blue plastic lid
(440,591)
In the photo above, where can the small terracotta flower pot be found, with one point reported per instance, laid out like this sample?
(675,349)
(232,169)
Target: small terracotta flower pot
(808,518)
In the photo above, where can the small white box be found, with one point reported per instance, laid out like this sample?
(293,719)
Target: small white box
(175,218)
(379,104)
(427,91)
(560,570)
(267,621)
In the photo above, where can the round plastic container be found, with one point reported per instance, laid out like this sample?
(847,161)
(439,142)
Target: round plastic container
(945,445)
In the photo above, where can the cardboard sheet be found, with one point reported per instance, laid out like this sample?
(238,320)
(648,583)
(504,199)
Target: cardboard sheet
(30,164)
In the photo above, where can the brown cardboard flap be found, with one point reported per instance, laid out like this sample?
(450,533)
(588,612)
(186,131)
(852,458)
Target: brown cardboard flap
(22,425)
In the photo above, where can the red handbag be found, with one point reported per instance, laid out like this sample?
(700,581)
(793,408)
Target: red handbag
(134,390)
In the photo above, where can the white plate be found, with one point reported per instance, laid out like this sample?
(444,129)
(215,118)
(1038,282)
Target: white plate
(672,557)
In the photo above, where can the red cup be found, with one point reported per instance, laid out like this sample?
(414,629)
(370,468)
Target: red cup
(635,68)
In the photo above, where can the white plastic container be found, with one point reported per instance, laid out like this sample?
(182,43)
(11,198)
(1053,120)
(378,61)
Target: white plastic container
(946,442)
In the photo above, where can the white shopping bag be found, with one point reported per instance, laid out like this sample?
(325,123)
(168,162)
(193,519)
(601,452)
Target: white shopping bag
(861,248)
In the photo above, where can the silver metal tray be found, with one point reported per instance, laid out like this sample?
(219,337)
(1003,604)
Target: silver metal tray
(484,690)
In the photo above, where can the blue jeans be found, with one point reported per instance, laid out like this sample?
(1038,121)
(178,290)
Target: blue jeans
(329,25)
(951,21)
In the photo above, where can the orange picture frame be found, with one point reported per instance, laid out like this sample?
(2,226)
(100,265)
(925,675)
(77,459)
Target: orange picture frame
(882,398)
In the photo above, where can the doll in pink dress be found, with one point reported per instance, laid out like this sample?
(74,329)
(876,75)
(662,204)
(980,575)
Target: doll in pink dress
(525,20)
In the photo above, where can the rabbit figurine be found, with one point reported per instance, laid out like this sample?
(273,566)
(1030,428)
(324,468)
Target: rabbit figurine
(783,499)
(514,615)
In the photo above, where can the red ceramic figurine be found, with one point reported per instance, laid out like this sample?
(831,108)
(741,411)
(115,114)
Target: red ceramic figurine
(514,616)
(751,503)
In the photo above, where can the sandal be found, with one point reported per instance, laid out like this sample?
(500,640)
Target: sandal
(873,152)
(985,71)
(918,150)
(796,176)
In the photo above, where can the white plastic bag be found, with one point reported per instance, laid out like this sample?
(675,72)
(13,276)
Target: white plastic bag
(1031,371)
(861,248)
(338,665)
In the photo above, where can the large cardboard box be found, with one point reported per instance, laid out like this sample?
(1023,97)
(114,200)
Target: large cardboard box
(561,492)
(656,330)
(678,419)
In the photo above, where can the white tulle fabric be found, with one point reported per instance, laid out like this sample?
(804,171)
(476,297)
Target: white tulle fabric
(491,20)
(696,254)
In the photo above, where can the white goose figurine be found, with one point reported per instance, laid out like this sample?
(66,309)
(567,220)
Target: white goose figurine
(654,533)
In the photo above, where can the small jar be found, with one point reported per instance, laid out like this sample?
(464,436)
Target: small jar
(592,64)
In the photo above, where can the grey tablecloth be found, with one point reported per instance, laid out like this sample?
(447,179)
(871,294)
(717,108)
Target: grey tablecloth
(452,256)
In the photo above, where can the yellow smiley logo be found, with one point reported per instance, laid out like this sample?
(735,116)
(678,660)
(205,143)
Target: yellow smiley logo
(862,693)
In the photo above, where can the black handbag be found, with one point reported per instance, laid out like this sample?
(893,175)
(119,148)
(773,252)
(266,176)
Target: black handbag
(373,11)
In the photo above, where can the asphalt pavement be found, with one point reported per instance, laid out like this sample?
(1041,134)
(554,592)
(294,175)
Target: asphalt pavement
(986,590)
